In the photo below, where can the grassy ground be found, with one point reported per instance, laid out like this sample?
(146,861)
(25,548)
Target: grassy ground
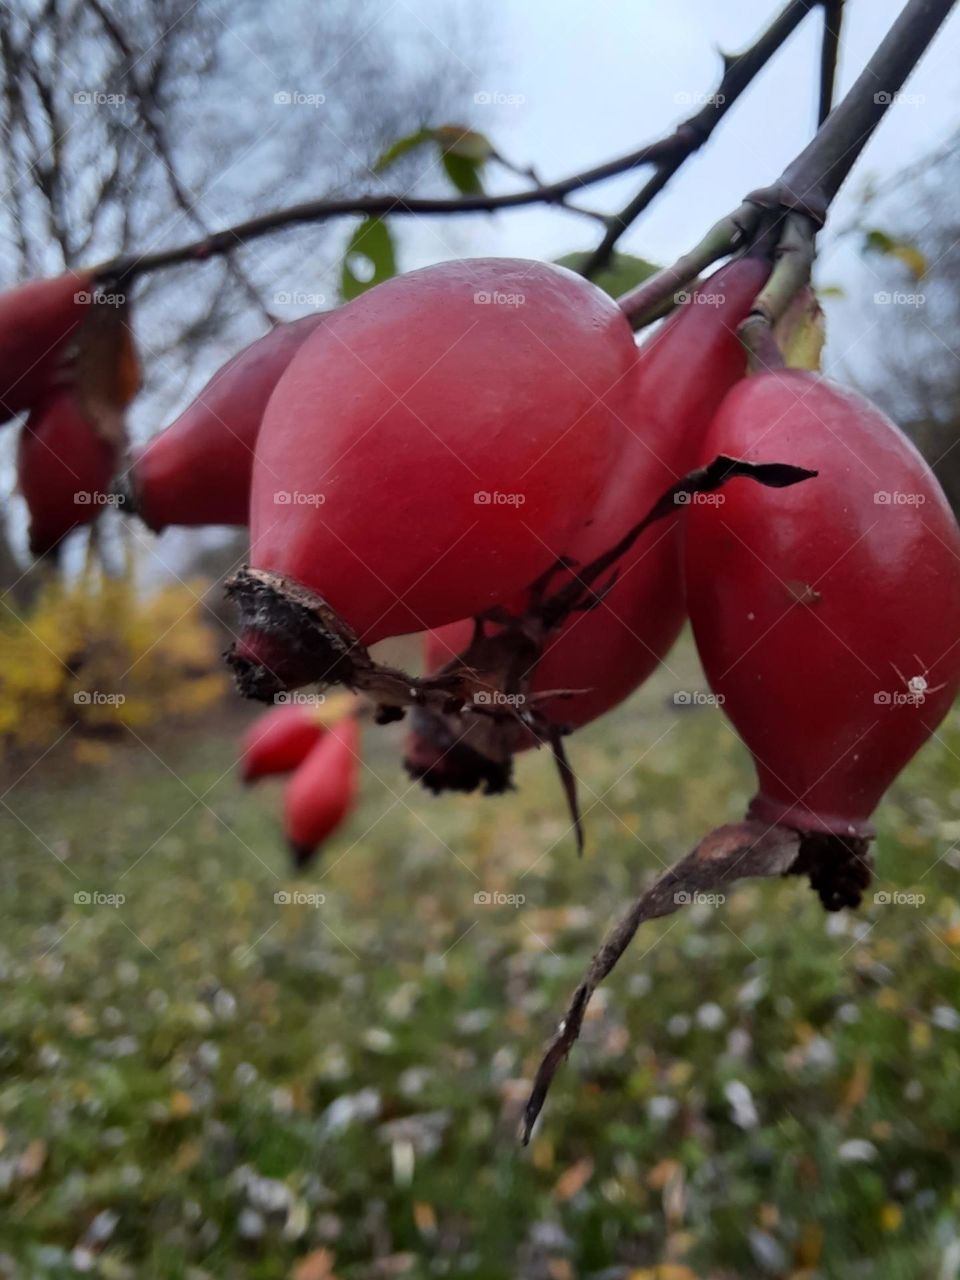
(204,1081)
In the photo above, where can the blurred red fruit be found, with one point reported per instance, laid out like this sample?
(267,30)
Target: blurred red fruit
(322,792)
(36,320)
(64,469)
(279,740)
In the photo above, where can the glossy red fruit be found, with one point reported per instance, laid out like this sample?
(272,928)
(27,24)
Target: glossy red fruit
(827,615)
(64,469)
(279,740)
(322,792)
(437,443)
(686,368)
(198,470)
(36,320)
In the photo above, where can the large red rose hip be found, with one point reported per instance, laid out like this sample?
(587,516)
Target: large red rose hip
(827,616)
(435,445)
(198,470)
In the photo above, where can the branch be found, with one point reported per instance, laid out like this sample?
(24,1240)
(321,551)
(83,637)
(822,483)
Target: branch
(829,49)
(739,71)
(811,181)
(727,854)
(220,242)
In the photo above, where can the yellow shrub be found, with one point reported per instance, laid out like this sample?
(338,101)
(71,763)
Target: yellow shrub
(96,655)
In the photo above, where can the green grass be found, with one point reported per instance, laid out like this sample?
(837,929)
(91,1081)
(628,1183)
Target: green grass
(242,1082)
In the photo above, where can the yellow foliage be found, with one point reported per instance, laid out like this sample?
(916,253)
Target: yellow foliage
(97,655)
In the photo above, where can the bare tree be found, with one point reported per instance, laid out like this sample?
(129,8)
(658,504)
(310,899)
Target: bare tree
(132,124)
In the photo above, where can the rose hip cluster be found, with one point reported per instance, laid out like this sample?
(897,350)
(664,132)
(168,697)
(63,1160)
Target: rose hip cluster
(481,452)
(64,464)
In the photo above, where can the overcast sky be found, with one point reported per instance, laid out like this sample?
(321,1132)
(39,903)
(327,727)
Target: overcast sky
(579,83)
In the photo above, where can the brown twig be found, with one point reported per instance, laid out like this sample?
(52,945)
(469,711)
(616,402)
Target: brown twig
(829,50)
(727,854)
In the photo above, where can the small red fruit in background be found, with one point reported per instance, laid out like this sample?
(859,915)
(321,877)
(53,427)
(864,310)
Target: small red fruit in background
(322,792)
(64,469)
(197,471)
(36,319)
(279,740)
(827,616)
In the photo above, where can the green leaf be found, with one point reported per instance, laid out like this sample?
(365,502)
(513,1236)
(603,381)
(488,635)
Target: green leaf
(877,241)
(403,146)
(457,140)
(370,244)
(623,272)
(463,173)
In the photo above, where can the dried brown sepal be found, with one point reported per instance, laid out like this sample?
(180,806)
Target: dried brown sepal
(106,366)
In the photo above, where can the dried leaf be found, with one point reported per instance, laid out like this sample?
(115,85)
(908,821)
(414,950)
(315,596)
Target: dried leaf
(107,368)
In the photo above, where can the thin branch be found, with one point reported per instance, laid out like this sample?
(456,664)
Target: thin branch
(739,71)
(811,181)
(727,854)
(310,211)
(829,50)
